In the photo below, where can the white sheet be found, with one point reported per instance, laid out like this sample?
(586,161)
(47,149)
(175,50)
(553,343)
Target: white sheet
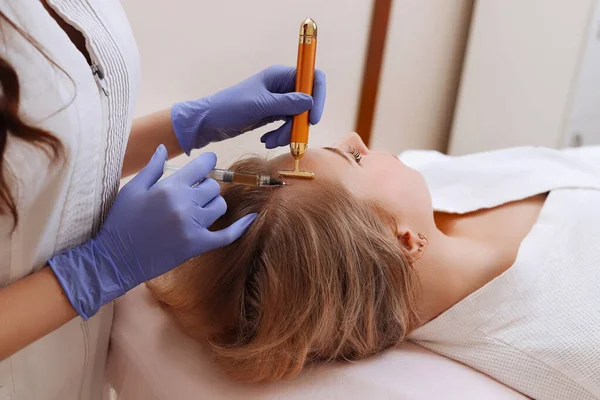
(536,327)
(150,359)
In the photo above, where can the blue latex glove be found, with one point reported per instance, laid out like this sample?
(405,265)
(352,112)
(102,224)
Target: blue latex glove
(151,228)
(263,98)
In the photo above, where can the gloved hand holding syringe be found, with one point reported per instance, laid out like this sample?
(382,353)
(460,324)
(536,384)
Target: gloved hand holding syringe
(153,226)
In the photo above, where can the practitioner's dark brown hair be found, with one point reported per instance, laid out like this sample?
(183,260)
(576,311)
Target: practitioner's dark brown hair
(11,123)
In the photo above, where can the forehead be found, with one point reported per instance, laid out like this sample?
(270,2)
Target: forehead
(324,163)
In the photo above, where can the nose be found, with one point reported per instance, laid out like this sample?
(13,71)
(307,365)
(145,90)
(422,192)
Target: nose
(352,139)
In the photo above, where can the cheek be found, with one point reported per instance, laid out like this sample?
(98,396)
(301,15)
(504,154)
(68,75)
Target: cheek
(401,189)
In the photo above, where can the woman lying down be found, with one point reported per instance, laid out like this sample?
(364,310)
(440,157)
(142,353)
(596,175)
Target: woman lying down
(490,259)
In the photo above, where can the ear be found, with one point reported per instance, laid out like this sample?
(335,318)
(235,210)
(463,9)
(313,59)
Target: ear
(415,243)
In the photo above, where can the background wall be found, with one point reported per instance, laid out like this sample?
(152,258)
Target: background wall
(523,61)
(583,125)
(529,76)
(421,72)
(192,48)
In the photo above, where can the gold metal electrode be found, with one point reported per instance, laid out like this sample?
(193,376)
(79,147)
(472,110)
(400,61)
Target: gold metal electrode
(305,75)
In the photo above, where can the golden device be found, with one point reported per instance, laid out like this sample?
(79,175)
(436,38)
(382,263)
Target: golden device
(305,75)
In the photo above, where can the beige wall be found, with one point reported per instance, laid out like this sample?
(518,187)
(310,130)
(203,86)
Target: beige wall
(583,124)
(421,72)
(191,48)
(518,83)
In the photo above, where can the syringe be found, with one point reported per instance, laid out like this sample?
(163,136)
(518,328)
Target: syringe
(227,176)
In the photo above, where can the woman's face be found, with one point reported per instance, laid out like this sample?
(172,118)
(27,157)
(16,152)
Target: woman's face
(368,174)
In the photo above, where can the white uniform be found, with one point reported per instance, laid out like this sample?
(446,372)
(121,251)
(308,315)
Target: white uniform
(61,206)
(536,327)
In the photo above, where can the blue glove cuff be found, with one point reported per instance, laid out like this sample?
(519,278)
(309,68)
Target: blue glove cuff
(187,118)
(88,276)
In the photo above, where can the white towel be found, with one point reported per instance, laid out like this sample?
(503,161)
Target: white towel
(536,327)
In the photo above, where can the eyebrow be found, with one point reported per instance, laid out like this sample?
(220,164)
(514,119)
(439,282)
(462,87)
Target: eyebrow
(339,153)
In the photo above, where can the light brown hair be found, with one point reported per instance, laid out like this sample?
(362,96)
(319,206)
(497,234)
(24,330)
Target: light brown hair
(318,277)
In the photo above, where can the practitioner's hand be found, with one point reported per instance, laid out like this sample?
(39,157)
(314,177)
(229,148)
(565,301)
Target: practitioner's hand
(263,98)
(152,227)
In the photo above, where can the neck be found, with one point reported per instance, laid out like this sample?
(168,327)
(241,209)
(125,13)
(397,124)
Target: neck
(451,268)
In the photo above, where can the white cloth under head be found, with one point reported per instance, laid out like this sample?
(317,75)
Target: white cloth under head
(152,359)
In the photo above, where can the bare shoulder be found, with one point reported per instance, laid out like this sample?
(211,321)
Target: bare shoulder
(501,228)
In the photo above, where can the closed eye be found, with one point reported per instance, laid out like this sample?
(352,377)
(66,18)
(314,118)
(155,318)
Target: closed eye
(355,153)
